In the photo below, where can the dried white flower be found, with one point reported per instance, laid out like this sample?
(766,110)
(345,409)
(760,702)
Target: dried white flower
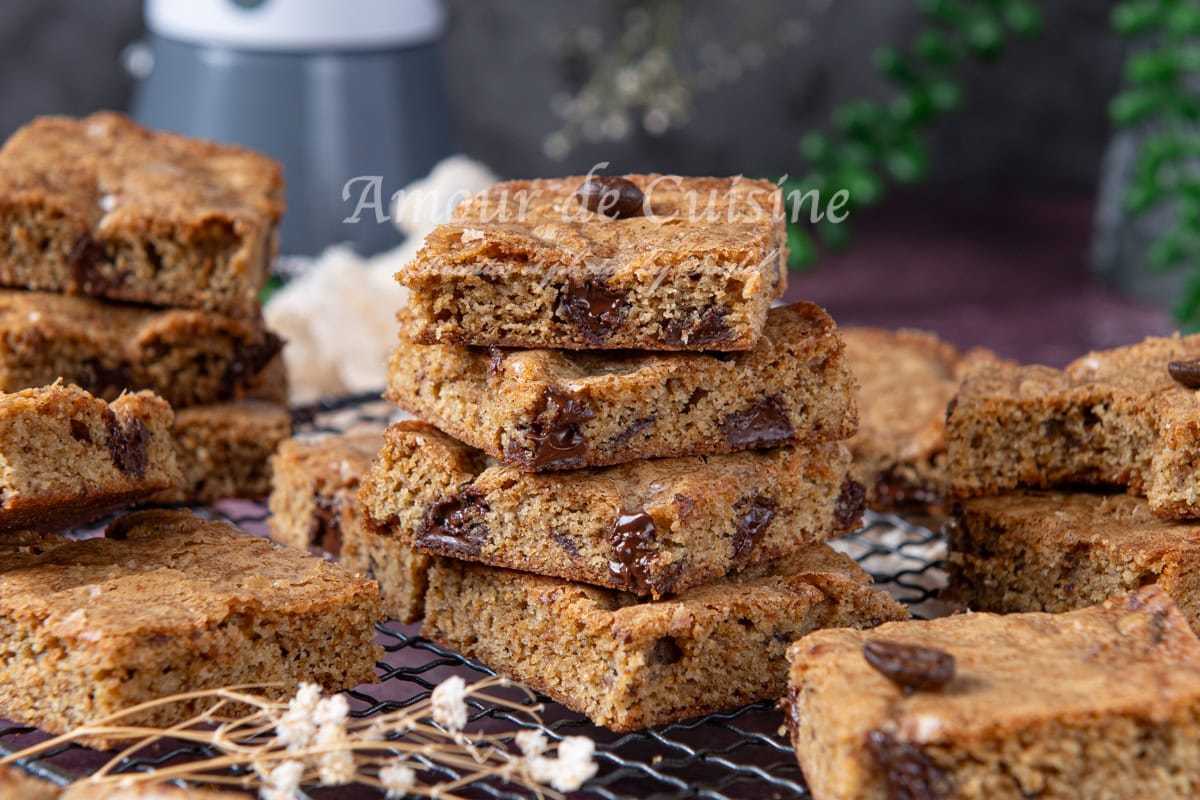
(397,779)
(295,729)
(332,710)
(571,769)
(306,699)
(283,781)
(336,767)
(449,705)
(531,743)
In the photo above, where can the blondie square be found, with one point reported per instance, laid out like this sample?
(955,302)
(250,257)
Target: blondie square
(1099,702)
(906,380)
(1050,551)
(1115,417)
(225,450)
(167,603)
(314,505)
(680,264)
(101,206)
(185,356)
(630,664)
(653,527)
(15,784)
(552,409)
(67,457)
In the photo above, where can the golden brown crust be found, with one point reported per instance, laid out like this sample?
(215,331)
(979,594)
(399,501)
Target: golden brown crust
(104,207)
(1097,702)
(67,457)
(1113,417)
(523,264)
(629,664)
(549,409)
(169,602)
(18,785)
(187,357)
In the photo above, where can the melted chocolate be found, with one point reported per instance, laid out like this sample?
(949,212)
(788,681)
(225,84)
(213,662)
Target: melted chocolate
(555,440)
(80,431)
(635,427)
(454,525)
(632,538)
(249,360)
(85,255)
(593,308)
(103,380)
(127,444)
(754,515)
(850,505)
(325,533)
(763,424)
(705,328)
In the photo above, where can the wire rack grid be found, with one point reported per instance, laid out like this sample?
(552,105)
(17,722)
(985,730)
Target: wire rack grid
(742,753)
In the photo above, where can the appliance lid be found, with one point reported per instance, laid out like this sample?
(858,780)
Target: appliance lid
(298,24)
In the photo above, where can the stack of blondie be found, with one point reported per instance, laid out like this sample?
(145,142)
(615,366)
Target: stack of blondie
(625,465)
(134,260)
(1078,484)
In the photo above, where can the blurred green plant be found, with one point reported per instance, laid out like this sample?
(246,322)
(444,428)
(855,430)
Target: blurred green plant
(1162,98)
(871,144)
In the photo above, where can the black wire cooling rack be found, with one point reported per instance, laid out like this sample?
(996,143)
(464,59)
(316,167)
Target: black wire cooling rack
(738,754)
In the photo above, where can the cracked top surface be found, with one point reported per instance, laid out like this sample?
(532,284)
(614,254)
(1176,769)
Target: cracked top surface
(735,222)
(163,572)
(110,173)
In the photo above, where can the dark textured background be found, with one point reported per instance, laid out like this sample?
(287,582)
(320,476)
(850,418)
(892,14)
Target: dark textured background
(1033,121)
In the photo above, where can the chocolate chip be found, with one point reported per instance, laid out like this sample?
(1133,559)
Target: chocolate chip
(80,431)
(127,444)
(611,196)
(565,542)
(454,525)
(704,328)
(850,505)
(249,360)
(555,438)
(325,530)
(953,404)
(596,310)
(908,772)
(635,427)
(762,424)
(84,256)
(910,665)
(754,515)
(632,539)
(1185,373)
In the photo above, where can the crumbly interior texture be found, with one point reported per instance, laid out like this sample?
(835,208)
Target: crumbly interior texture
(187,357)
(630,664)
(653,527)
(1112,417)
(103,207)
(525,265)
(1050,551)
(1100,702)
(906,379)
(225,450)
(550,409)
(315,506)
(67,457)
(168,603)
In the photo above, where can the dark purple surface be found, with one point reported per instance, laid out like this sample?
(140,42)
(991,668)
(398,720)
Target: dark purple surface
(1006,273)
